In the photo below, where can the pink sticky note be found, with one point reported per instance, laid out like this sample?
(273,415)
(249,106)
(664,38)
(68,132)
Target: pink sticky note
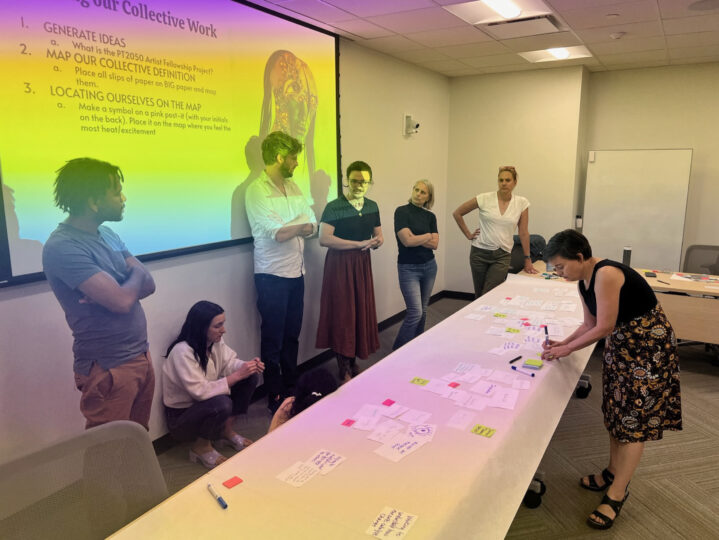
(232,482)
(453,384)
(348,422)
(388,402)
(527,324)
(507,297)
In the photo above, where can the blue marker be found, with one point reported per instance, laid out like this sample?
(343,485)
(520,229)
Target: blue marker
(546,335)
(528,374)
(219,499)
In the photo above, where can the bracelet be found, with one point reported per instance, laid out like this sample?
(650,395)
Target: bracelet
(527,256)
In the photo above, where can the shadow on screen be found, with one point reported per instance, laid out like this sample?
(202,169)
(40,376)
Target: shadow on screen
(26,254)
(239,225)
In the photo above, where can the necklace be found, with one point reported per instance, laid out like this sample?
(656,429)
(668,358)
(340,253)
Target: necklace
(357,204)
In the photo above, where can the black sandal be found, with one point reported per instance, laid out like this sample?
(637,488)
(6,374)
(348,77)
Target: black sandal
(607,476)
(608,522)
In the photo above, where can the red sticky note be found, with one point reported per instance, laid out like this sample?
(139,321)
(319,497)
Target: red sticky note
(453,384)
(527,324)
(524,318)
(348,422)
(388,402)
(507,297)
(232,482)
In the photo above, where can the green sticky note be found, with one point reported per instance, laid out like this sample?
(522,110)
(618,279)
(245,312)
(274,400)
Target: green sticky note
(419,381)
(484,431)
(512,330)
(500,315)
(533,363)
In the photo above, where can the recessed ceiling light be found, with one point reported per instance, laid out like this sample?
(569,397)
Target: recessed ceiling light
(560,53)
(506,8)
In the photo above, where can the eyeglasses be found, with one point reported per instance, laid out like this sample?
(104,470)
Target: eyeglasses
(360,182)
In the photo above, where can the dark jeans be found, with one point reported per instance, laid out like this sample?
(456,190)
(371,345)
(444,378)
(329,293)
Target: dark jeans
(415,282)
(207,418)
(280,302)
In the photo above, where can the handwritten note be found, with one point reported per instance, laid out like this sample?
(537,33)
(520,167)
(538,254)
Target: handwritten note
(504,398)
(483,308)
(495,330)
(474,316)
(423,432)
(394,410)
(298,474)
(413,416)
(460,420)
(400,446)
(484,388)
(391,523)
(325,461)
(385,431)
(521,384)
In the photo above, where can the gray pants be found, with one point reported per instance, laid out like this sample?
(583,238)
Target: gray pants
(489,268)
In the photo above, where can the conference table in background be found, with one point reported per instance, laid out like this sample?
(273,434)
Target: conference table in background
(460,485)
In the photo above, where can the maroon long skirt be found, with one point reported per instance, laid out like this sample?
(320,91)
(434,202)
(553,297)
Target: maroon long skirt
(348,318)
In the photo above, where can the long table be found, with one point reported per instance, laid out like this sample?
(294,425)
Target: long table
(460,485)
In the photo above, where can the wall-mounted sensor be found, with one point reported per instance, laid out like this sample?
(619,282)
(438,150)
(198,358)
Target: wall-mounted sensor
(411,126)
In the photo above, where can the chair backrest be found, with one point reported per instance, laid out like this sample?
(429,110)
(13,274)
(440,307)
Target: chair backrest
(701,259)
(86,486)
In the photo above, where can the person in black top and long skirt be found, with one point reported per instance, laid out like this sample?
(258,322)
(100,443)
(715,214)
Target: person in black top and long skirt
(417,238)
(640,379)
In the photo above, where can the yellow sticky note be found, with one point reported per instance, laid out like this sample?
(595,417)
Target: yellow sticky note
(512,330)
(500,315)
(534,362)
(484,431)
(419,381)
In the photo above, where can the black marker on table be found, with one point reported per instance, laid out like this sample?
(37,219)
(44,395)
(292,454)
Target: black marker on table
(515,359)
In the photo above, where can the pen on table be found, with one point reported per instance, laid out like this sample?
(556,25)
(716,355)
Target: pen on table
(527,373)
(546,335)
(219,499)
(665,283)
(515,359)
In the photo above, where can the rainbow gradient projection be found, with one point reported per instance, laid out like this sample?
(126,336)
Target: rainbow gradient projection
(177,93)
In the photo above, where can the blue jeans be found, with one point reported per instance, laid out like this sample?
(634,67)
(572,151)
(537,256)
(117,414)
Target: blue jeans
(280,302)
(415,282)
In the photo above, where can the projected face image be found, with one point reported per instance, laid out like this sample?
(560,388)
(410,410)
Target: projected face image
(294,93)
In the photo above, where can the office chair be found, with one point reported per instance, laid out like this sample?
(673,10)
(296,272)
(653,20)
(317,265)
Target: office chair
(701,259)
(85,486)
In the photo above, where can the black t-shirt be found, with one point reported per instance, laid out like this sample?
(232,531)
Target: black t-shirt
(419,221)
(636,297)
(350,223)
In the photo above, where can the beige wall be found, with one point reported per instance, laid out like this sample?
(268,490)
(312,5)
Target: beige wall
(39,402)
(528,119)
(665,107)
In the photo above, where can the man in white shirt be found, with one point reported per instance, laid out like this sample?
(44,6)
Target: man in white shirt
(280,218)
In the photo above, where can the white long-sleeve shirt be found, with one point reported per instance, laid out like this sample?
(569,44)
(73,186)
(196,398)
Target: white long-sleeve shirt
(183,381)
(268,210)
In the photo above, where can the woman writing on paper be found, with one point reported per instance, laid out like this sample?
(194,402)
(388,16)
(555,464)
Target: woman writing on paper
(640,379)
(350,228)
(417,238)
(205,385)
(500,214)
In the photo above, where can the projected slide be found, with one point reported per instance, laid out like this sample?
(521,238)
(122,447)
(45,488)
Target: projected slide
(177,93)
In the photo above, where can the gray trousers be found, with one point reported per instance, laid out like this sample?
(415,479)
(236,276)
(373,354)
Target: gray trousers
(489,268)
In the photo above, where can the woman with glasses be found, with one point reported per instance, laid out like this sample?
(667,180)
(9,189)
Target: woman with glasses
(350,227)
(500,214)
(417,238)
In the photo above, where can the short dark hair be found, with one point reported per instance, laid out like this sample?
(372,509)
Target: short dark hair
(568,244)
(81,179)
(194,330)
(359,166)
(311,387)
(280,143)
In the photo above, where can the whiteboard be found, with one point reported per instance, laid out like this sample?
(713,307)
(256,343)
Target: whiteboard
(637,198)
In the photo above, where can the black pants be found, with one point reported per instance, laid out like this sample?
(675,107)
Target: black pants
(206,419)
(280,302)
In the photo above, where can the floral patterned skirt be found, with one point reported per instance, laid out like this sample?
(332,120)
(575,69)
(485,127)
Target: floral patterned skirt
(640,379)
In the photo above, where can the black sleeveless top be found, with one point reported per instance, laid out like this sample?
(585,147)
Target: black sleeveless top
(636,297)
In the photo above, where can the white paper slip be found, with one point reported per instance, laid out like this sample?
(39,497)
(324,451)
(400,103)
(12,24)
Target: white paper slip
(422,431)
(399,446)
(394,410)
(475,316)
(477,403)
(502,377)
(385,431)
(484,388)
(325,461)
(460,420)
(550,306)
(533,303)
(518,301)
(298,474)
(495,330)
(504,398)
(470,377)
(558,292)
(497,350)
(483,308)
(505,301)
(533,340)
(438,386)
(459,396)
(555,330)
(368,411)
(520,384)
(391,523)
(464,367)
(366,423)
(449,377)
(541,290)
(413,416)
(567,306)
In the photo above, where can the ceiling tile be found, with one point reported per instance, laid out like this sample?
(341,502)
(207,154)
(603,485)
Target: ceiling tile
(687,25)
(317,10)
(495,60)
(450,36)
(418,20)
(619,46)
(391,44)
(439,65)
(639,65)
(471,50)
(363,29)
(629,12)
(633,58)
(509,68)
(568,5)
(673,9)
(462,72)
(693,52)
(544,41)
(370,8)
(697,60)
(417,56)
(633,30)
(693,40)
